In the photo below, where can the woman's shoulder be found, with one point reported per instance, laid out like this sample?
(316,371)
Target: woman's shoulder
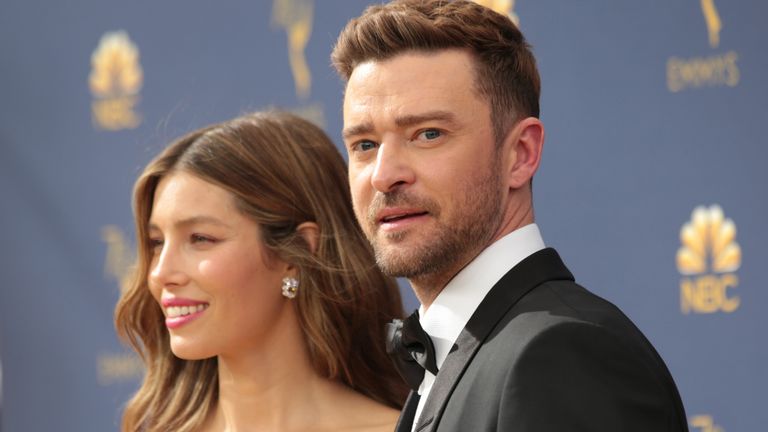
(359,413)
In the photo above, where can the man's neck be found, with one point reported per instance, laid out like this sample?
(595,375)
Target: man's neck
(428,286)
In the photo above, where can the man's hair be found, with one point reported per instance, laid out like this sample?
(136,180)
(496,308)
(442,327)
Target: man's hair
(505,68)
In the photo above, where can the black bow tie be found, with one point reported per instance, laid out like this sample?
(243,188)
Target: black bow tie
(411,349)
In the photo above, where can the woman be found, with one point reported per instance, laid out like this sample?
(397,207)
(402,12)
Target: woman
(256,304)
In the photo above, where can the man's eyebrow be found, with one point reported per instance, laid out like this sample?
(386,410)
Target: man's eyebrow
(360,129)
(402,121)
(194,220)
(414,119)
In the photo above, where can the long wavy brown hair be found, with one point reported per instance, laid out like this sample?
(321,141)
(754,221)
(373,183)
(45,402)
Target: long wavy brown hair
(282,171)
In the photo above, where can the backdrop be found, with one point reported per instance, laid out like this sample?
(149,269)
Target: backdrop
(652,185)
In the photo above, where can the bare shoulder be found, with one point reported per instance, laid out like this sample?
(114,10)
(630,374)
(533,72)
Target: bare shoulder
(382,419)
(358,413)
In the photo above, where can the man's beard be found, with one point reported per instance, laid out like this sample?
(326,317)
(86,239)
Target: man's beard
(476,218)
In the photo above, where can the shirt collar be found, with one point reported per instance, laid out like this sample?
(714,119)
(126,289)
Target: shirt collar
(450,311)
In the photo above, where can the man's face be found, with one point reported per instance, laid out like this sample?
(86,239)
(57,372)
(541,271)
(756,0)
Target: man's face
(425,176)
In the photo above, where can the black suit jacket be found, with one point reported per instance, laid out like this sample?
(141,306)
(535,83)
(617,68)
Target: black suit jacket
(541,353)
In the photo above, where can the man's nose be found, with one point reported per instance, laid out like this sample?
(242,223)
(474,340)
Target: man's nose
(393,168)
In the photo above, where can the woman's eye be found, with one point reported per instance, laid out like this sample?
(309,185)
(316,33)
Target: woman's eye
(155,244)
(198,238)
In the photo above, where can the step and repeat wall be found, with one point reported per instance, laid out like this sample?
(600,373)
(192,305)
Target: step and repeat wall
(652,187)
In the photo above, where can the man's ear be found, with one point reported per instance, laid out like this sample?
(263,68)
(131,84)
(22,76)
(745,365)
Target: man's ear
(522,150)
(311,233)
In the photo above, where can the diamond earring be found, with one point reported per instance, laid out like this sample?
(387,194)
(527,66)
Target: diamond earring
(290,287)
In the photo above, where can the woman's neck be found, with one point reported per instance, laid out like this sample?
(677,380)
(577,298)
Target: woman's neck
(281,401)
(272,386)
(269,386)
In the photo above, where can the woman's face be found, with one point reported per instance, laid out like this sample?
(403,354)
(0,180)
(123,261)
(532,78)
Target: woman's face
(219,292)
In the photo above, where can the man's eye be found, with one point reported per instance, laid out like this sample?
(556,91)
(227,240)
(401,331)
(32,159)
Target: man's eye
(430,134)
(366,145)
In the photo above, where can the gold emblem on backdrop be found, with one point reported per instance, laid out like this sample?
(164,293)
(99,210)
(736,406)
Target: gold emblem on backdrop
(118,367)
(115,81)
(708,259)
(712,19)
(505,7)
(718,69)
(296,18)
(120,258)
(704,423)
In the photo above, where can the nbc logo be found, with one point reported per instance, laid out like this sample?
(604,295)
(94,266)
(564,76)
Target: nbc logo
(704,423)
(707,259)
(115,80)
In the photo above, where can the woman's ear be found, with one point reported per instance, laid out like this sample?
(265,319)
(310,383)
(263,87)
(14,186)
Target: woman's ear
(311,234)
(523,151)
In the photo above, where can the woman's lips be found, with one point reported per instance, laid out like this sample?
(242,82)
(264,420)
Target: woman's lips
(181,311)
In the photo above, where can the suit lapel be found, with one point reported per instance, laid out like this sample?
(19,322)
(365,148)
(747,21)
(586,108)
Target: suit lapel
(405,422)
(542,266)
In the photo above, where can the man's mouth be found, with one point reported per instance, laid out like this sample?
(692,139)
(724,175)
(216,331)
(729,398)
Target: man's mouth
(400,216)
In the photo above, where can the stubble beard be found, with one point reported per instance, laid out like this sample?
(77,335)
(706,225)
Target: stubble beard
(453,243)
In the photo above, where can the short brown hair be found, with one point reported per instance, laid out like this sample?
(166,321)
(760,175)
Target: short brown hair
(282,171)
(505,73)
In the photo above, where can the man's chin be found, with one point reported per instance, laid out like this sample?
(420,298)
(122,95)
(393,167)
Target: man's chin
(397,243)
(400,260)
(397,269)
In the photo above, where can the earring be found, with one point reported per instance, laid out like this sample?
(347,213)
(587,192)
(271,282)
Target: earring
(290,287)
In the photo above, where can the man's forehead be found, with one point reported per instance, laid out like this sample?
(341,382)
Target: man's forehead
(410,84)
(460,63)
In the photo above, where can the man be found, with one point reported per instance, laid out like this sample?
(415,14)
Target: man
(441,125)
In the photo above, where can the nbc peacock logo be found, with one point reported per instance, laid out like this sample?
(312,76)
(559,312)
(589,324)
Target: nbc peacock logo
(708,259)
(704,423)
(115,80)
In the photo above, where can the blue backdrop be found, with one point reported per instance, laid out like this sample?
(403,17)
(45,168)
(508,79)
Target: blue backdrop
(652,185)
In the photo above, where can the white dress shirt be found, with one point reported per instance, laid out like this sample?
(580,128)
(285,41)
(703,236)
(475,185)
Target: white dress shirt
(449,313)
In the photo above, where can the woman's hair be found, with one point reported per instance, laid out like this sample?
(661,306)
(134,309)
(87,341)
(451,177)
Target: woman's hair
(282,171)
(505,68)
